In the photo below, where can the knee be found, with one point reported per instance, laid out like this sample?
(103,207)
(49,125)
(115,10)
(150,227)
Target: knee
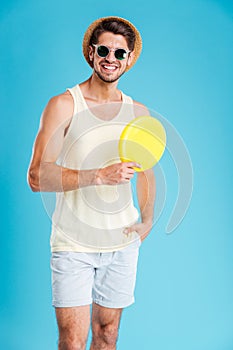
(107,335)
(71,344)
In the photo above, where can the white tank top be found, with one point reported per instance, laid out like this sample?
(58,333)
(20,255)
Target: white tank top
(92,218)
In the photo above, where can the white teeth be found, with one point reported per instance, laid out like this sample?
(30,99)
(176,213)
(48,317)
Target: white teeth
(110,67)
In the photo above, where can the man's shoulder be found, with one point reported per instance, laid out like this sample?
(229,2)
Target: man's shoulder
(140,109)
(139,104)
(62,103)
(59,108)
(136,104)
(63,99)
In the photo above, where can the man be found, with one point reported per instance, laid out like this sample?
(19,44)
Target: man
(96,233)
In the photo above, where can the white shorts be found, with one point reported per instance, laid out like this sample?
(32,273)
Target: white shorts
(108,279)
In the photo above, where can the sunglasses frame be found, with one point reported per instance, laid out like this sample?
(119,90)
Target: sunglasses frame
(111,50)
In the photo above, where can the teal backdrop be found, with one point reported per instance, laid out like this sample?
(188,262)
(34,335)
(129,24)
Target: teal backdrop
(185,281)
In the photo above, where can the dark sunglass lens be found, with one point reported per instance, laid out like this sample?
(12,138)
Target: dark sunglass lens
(120,54)
(102,51)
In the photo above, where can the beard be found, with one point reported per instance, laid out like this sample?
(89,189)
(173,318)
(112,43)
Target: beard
(108,80)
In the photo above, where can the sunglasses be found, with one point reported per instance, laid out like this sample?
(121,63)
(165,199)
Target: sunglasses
(103,51)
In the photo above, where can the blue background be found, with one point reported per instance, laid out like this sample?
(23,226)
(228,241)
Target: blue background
(185,284)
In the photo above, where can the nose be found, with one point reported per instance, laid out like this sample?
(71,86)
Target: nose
(111,57)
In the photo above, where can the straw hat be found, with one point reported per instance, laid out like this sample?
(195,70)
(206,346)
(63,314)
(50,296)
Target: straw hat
(92,27)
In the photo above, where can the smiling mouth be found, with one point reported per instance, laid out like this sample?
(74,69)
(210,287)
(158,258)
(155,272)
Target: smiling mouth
(109,67)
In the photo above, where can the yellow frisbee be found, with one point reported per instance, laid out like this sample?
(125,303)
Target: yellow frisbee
(143,141)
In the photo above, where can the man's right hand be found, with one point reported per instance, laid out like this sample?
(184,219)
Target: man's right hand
(115,174)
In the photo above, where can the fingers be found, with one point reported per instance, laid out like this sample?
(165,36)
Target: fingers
(127,170)
(141,228)
(132,228)
(118,173)
(132,164)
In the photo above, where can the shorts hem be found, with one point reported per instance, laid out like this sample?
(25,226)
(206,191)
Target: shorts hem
(113,305)
(71,303)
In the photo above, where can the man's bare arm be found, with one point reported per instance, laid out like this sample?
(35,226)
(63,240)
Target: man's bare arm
(146,190)
(45,175)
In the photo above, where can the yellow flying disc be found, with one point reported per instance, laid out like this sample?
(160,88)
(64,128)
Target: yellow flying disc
(143,141)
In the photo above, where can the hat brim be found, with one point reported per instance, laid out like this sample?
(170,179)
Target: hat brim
(87,36)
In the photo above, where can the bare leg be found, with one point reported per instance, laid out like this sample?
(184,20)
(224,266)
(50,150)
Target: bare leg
(105,325)
(73,326)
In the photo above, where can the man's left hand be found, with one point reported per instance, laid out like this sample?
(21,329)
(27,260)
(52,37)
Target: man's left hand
(142,228)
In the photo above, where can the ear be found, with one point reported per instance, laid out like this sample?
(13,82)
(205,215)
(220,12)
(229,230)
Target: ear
(130,59)
(91,53)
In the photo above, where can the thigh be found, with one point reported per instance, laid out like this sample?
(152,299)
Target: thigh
(103,316)
(73,324)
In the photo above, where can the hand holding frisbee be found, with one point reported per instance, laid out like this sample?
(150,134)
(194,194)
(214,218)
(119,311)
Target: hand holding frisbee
(143,140)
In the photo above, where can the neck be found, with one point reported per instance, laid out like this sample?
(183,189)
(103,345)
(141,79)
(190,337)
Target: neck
(101,92)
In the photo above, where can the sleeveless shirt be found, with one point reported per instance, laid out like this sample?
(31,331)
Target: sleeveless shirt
(92,218)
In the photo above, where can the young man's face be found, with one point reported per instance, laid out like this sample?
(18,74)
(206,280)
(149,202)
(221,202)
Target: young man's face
(109,68)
